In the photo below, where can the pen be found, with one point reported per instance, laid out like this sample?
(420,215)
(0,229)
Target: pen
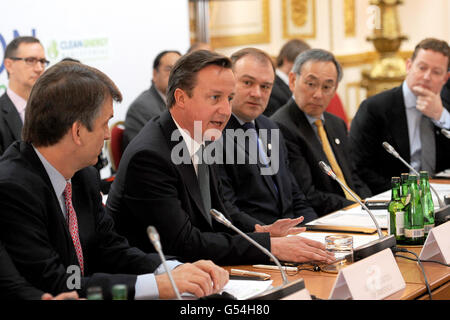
(265,266)
(240,272)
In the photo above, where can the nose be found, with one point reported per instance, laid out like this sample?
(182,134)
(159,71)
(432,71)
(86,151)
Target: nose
(39,67)
(107,134)
(256,91)
(318,94)
(225,108)
(427,74)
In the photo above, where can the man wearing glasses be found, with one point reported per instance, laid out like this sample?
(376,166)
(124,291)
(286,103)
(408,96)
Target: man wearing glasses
(24,62)
(313,135)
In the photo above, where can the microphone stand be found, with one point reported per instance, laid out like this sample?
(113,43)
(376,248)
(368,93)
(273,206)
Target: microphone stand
(287,288)
(154,238)
(443,213)
(383,242)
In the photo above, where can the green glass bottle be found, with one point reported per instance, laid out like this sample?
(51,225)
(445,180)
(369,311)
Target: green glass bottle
(414,230)
(427,203)
(94,293)
(119,292)
(404,187)
(396,208)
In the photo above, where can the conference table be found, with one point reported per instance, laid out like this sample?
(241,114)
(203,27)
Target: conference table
(320,283)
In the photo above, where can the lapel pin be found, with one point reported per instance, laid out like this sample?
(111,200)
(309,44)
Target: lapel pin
(337,141)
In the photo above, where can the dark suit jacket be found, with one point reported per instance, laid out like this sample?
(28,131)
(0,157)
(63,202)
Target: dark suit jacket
(10,123)
(147,105)
(12,285)
(445,93)
(383,118)
(36,235)
(150,189)
(305,152)
(254,193)
(278,97)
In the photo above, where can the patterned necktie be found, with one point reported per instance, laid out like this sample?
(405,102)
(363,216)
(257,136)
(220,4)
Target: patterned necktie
(73,224)
(428,152)
(203,182)
(330,156)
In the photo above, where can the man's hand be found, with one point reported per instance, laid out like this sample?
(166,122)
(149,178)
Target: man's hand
(282,227)
(300,249)
(200,278)
(428,102)
(72,295)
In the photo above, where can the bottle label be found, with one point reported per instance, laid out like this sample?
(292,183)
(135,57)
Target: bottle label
(400,223)
(428,227)
(414,233)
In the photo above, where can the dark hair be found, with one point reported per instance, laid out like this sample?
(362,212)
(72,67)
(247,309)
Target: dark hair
(65,93)
(158,58)
(71,59)
(184,72)
(291,50)
(316,55)
(434,45)
(11,48)
(254,52)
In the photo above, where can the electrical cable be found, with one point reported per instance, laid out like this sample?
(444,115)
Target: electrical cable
(419,262)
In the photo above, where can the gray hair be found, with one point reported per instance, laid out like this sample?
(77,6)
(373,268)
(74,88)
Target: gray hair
(316,55)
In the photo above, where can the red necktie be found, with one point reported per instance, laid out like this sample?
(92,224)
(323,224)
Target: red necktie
(73,224)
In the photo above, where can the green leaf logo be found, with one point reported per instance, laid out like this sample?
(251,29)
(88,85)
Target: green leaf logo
(52,50)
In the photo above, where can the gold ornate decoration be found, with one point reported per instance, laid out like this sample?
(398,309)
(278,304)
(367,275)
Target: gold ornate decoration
(296,13)
(245,39)
(349,18)
(299,12)
(389,70)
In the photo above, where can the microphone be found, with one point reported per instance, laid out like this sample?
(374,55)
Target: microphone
(443,213)
(221,218)
(383,242)
(154,238)
(446,133)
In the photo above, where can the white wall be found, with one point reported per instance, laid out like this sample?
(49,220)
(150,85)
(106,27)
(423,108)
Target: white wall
(119,38)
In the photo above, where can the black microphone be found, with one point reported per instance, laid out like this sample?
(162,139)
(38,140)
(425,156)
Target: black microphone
(443,213)
(446,133)
(221,218)
(154,238)
(383,242)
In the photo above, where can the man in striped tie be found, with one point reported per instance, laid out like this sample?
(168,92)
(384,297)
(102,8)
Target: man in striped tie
(314,135)
(53,222)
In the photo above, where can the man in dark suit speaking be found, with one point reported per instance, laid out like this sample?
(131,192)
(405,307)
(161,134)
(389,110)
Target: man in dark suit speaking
(265,196)
(314,135)
(52,220)
(164,180)
(409,117)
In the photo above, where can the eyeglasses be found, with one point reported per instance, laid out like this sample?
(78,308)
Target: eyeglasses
(312,85)
(32,61)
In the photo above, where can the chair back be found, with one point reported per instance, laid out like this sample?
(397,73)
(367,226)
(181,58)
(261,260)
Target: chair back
(115,144)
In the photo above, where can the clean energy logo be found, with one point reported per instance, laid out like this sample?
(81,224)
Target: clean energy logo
(84,49)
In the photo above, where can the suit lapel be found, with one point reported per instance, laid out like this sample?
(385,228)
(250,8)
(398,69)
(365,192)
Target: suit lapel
(186,169)
(399,127)
(12,117)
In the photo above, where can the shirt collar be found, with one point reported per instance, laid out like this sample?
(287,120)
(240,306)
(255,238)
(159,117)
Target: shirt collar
(192,145)
(19,102)
(409,97)
(56,178)
(283,76)
(242,122)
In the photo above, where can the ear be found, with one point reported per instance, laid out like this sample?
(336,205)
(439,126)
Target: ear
(409,63)
(180,97)
(75,132)
(8,64)
(292,79)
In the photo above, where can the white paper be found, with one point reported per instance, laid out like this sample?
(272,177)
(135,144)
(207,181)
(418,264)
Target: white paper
(246,289)
(352,219)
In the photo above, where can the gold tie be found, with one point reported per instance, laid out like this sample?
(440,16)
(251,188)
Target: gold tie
(330,156)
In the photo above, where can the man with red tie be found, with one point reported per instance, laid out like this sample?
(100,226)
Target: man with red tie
(52,220)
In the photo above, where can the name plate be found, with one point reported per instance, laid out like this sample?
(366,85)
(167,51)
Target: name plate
(376,277)
(437,245)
